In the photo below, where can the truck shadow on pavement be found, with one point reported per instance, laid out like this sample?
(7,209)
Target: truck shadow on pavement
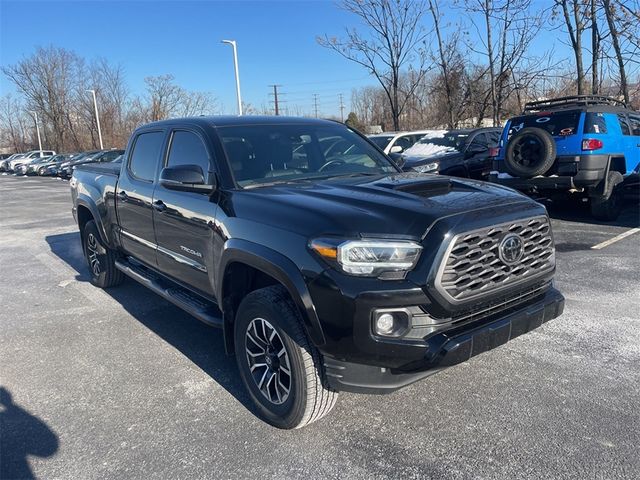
(200,343)
(21,434)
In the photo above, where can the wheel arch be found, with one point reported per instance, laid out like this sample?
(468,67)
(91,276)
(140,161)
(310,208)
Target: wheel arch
(246,266)
(87,211)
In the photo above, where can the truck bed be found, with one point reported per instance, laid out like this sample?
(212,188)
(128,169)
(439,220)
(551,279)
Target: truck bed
(107,168)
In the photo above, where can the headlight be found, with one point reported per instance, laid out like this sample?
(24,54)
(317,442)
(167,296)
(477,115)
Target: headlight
(370,258)
(427,168)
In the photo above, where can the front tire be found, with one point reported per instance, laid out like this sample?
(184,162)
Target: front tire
(100,258)
(281,370)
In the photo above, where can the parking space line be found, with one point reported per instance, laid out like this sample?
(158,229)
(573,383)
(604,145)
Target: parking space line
(615,239)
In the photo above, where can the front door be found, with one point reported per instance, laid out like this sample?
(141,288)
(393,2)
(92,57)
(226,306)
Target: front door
(134,196)
(184,221)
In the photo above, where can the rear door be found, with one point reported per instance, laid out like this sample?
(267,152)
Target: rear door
(134,195)
(184,221)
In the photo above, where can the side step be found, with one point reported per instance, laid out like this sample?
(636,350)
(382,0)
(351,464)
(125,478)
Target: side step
(203,310)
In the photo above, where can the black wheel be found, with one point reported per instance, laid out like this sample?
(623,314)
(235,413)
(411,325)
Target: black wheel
(608,206)
(100,258)
(530,152)
(41,171)
(281,370)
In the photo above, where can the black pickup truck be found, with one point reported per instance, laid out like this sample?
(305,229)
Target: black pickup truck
(326,272)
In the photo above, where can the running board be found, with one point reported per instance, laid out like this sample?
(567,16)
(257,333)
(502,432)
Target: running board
(203,310)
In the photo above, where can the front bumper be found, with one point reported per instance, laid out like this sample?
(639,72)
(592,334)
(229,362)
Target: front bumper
(447,348)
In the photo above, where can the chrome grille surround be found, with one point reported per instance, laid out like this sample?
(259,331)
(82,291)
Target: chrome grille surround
(472,266)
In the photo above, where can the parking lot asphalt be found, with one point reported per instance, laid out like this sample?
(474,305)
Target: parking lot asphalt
(122,384)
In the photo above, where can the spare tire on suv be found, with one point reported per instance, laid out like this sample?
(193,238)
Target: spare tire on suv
(530,152)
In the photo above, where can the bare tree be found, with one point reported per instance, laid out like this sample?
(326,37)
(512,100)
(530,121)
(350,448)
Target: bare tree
(46,79)
(395,40)
(615,34)
(574,14)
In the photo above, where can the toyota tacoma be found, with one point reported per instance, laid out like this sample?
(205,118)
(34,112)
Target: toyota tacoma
(326,273)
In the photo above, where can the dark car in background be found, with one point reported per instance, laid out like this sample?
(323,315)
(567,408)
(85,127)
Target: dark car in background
(98,157)
(65,169)
(459,153)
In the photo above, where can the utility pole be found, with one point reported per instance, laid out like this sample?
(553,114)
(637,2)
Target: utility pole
(95,106)
(341,108)
(315,104)
(275,98)
(35,114)
(235,64)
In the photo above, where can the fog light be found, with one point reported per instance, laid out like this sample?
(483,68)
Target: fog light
(385,324)
(391,322)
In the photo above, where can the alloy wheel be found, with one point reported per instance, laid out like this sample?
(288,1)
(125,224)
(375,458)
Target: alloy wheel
(92,254)
(268,361)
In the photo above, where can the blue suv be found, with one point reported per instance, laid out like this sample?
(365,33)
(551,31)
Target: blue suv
(581,144)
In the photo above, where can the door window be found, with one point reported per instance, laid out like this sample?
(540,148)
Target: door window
(187,149)
(145,155)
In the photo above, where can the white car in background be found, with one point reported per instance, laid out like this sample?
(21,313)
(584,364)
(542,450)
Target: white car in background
(398,142)
(29,157)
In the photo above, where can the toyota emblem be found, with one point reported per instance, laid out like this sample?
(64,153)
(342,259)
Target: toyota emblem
(511,249)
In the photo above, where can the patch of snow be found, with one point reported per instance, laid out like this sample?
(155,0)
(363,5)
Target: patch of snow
(504,175)
(427,149)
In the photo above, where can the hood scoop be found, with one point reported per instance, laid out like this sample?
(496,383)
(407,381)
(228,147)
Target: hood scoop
(427,188)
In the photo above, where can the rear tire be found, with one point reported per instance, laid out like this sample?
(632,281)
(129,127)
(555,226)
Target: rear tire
(530,152)
(280,368)
(607,207)
(100,258)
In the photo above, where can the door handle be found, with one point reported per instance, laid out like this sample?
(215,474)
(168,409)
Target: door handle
(159,206)
(122,196)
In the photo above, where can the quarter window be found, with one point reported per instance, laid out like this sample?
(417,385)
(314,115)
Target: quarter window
(145,155)
(594,123)
(187,149)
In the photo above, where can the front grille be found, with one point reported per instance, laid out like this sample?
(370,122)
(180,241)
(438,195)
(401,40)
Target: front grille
(473,265)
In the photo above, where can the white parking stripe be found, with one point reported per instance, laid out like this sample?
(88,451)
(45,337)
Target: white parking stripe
(615,239)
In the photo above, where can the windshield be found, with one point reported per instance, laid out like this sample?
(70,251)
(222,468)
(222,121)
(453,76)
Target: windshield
(381,141)
(261,154)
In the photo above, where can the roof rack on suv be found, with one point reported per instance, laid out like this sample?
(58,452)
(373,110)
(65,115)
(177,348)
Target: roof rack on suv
(574,100)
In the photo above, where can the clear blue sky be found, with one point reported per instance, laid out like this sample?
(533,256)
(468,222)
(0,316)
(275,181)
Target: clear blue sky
(276,44)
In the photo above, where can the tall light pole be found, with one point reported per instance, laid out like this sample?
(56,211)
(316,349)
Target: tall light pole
(235,63)
(95,106)
(35,114)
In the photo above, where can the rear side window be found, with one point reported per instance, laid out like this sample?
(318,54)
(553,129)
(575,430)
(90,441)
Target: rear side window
(145,155)
(635,125)
(624,125)
(558,124)
(187,149)
(594,123)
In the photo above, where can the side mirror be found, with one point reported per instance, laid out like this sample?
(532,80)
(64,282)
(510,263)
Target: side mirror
(396,149)
(185,178)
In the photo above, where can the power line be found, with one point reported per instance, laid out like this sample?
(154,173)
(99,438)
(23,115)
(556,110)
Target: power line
(315,104)
(341,108)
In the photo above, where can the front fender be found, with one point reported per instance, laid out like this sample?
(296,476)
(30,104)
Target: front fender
(279,267)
